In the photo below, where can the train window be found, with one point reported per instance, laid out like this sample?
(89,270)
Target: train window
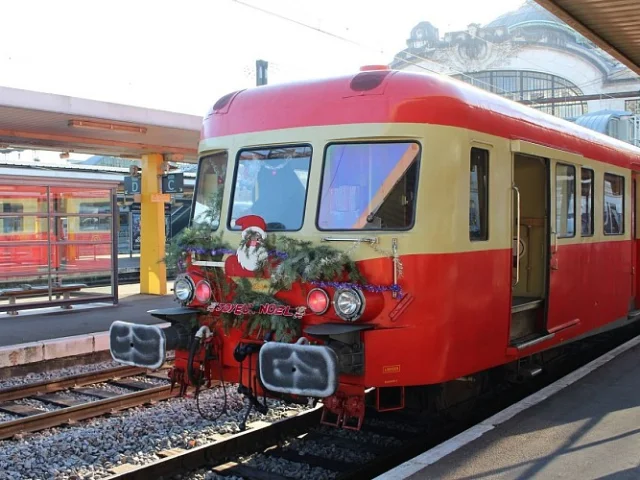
(209,189)
(586,201)
(565,200)
(95,223)
(271,182)
(613,204)
(12,224)
(479,195)
(369,186)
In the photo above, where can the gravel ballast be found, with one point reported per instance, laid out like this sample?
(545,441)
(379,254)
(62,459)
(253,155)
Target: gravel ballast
(135,436)
(58,373)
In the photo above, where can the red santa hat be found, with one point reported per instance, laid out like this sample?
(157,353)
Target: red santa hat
(253,222)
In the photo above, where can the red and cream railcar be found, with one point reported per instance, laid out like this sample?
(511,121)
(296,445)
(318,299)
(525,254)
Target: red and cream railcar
(77,238)
(489,231)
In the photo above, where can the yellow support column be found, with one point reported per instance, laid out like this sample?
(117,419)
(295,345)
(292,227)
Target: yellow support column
(153,272)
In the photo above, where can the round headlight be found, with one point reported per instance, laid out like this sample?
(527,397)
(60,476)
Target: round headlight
(203,291)
(348,304)
(183,289)
(318,301)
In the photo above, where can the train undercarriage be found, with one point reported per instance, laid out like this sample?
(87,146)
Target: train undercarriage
(300,372)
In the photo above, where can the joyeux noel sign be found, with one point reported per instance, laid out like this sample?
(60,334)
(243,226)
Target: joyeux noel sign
(266,309)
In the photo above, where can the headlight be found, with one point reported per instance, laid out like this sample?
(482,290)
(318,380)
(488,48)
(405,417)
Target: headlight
(203,291)
(183,289)
(349,304)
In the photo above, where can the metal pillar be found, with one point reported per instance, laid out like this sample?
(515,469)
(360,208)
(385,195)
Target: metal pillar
(153,272)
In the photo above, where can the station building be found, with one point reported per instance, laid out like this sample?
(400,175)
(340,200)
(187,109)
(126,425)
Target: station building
(530,56)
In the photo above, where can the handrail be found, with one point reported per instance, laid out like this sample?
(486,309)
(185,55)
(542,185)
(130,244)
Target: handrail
(517,234)
(351,239)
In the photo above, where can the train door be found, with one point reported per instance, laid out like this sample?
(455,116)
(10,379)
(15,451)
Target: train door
(572,194)
(530,230)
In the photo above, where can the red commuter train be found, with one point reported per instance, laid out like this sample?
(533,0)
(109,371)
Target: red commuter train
(79,242)
(395,230)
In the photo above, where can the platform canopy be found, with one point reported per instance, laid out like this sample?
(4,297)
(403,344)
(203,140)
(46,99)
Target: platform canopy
(613,25)
(43,121)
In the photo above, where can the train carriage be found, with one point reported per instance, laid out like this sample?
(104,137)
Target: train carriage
(416,229)
(69,229)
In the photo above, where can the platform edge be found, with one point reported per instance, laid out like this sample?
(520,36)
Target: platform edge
(440,451)
(34,352)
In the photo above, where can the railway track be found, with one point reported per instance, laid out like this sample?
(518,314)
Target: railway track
(298,447)
(63,401)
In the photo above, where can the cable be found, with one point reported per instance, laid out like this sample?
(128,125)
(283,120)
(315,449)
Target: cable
(397,57)
(282,17)
(224,390)
(367,47)
(195,345)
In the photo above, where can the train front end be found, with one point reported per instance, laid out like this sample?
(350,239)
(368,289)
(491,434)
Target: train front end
(290,270)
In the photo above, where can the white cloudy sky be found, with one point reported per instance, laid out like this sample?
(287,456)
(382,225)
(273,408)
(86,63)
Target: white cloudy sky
(182,56)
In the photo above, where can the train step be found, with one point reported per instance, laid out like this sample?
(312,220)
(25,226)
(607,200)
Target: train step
(524,373)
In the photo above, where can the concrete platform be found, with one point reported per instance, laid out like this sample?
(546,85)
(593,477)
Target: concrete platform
(49,334)
(586,425)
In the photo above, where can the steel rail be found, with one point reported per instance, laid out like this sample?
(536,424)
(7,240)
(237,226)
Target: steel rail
(257,436)
(49,386)
(84,411)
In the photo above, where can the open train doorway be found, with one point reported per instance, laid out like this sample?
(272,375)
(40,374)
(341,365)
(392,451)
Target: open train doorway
(530,230)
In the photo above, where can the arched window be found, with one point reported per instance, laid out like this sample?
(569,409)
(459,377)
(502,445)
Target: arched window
(524,85)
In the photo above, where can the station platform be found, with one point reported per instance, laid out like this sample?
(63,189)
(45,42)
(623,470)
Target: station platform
(586,425)
(50,333)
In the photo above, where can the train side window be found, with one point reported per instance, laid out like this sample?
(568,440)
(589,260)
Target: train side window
(95,223)
(479,195)
(12,224)
(613,204)
(586,201)
(565,200)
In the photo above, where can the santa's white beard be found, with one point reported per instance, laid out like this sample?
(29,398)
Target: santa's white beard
(250,257)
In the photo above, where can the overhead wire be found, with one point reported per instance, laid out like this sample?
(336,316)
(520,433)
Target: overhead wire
(474,80)
(358,44)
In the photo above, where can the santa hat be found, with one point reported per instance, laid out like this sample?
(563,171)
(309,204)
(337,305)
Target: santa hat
(253,222)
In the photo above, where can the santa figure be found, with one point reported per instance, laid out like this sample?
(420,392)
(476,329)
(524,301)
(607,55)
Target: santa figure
(250,255)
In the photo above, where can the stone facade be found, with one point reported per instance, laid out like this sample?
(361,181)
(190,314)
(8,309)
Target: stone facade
(526,54)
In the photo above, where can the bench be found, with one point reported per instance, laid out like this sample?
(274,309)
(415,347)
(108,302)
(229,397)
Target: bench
(26,291)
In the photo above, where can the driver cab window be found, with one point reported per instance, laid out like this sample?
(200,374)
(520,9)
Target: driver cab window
(369,186)
(272,184)
(209,190)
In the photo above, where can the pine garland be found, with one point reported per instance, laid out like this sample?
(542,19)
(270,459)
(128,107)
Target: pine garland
(289,261)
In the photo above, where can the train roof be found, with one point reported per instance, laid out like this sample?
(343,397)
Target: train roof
(69,171)
(389,96)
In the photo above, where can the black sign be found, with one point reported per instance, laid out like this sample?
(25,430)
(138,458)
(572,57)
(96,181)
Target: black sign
(132,185)
(172,183)
(135,232)
(167,228)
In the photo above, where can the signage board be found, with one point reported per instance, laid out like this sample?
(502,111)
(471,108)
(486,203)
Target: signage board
(173,183)
(132,185)
(160,198)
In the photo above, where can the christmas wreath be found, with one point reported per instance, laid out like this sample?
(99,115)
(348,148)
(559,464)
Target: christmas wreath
(277,260)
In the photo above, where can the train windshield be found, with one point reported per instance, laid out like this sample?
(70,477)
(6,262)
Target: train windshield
(209,190)
(272,183)
(369,186)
